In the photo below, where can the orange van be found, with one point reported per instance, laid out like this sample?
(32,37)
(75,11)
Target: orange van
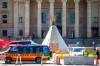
(28,53)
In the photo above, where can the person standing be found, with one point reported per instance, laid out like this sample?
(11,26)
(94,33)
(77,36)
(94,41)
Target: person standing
(97,57)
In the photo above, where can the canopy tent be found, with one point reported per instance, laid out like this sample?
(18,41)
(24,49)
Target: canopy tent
(54,40)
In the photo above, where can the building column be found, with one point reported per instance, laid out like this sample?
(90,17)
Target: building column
(16,18)
(76,18)
(39,18)
(64,18)
(51,10)
(99,15)
(27,17)
(89,18)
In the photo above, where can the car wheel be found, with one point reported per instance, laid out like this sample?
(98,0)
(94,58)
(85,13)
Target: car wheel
(8,61)
(38,60)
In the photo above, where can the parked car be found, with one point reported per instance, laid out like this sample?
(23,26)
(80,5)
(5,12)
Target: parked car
(77,51)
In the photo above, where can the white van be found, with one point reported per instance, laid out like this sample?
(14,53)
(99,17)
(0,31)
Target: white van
(77,51)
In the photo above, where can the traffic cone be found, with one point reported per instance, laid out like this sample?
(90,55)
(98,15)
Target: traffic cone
(58,60)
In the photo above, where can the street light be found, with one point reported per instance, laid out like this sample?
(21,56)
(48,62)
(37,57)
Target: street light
(78,43)
(93,45)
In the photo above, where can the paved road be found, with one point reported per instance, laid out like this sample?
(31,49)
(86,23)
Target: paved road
(79,59)
(3,64)
(41,65)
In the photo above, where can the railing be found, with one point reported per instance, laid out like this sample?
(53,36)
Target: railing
(87,42)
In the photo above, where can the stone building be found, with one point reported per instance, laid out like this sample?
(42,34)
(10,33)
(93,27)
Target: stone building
(74,18)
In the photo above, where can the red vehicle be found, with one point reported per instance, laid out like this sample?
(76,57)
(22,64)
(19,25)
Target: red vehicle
(4,46)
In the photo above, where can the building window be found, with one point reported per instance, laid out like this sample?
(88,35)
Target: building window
(95,19)
(4,33)
(95,32)
(4,16)
(20,19)
(43,33)
(4,21)
(4,4)
(70,32)
(20,32)
(44,17)
(59,27)
(58,18)
(71,16)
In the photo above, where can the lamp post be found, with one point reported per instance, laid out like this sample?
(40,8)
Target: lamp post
(78,43)
(93,45)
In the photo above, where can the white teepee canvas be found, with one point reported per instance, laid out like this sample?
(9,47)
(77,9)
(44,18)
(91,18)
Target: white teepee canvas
(54,40)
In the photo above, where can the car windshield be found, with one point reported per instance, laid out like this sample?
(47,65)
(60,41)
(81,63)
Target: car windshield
(78,49)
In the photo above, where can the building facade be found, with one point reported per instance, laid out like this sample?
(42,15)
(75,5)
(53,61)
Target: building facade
(74,18)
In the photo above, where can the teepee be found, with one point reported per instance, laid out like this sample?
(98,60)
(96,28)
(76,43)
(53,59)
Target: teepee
(54,40)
